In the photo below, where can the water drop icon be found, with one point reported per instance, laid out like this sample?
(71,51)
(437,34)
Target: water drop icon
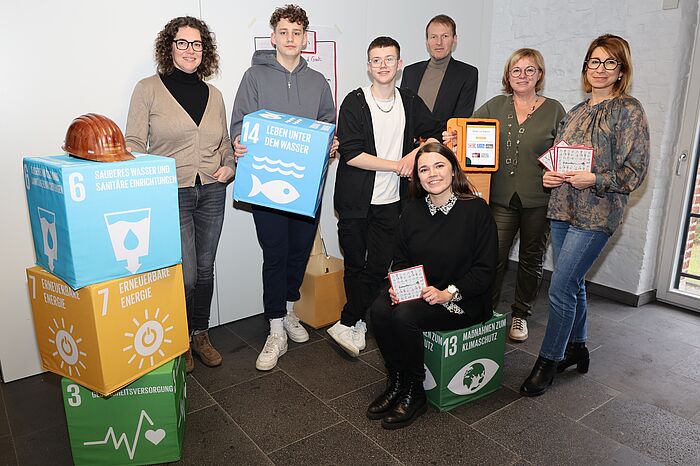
(131,241)
(49,240)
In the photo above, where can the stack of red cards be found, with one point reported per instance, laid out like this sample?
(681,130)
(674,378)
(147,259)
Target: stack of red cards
(564,158)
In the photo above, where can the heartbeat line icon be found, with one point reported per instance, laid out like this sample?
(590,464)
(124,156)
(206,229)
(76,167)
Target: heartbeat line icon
(153,436)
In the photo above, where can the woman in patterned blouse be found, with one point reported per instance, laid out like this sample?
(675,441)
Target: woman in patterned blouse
(585,208)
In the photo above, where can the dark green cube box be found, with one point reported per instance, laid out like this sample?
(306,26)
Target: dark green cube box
(463,365)
(143,423)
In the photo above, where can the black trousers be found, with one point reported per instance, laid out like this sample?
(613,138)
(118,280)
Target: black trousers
(368,249)
(533,225)
(286,240)
(399,331)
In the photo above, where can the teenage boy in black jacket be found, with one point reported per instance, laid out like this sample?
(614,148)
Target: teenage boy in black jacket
(378,127)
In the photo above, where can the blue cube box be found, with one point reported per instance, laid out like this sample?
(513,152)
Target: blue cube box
(286,162)
(95,221)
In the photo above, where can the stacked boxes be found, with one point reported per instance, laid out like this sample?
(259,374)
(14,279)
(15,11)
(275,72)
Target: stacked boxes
(107,335)
(143,423)
(286,162)
(466,364)
(109,303)
(95,221)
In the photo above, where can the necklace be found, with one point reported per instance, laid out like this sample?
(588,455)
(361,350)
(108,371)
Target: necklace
(393,101)
(514,154)
(532,110)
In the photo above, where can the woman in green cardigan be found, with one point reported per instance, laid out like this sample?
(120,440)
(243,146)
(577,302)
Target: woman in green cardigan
(528,125)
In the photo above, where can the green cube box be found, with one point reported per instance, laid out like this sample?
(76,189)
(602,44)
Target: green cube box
(466,364)
(143,423)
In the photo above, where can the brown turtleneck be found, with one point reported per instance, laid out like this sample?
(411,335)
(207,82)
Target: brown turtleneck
(430,84)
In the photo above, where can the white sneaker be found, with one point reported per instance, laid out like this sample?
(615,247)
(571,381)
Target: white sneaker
(343,335)
(297,333)
(518,329)
(358,334)
(275,346)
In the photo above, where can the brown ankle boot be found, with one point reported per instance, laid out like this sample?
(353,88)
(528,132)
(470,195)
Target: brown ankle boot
(201,346)
(189,362)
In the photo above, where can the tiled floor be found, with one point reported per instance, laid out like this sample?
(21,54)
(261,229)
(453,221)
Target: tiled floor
(639,404)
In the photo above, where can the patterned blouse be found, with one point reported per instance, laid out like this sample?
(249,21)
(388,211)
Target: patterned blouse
(618,132)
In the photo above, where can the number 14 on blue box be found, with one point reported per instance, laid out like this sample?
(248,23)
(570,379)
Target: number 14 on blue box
(286,162)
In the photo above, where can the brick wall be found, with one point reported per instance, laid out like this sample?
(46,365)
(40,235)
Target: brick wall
(661,42)
(693,238)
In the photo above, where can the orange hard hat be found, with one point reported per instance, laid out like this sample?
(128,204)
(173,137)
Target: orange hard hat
(96,137)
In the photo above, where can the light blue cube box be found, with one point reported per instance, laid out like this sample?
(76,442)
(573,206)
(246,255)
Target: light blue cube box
(96,221)
(285,166)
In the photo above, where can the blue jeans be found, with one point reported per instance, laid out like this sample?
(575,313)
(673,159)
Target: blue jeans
(201,220)
(575,251)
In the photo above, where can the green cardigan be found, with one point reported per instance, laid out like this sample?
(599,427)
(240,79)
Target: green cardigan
(538,136)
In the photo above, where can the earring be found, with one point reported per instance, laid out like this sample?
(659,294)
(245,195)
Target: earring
(619,78)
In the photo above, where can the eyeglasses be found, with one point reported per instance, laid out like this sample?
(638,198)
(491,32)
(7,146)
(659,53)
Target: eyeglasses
(182,44)
(609,64)
(529,71)
(377,62)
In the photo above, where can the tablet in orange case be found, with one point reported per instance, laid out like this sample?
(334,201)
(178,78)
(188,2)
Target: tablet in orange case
(477,143)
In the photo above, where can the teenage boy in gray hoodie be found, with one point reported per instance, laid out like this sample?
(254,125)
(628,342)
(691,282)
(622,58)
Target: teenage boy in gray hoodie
(281,80)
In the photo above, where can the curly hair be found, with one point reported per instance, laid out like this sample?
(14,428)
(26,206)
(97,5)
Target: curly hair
(461,187)
(164,46)
(292,13)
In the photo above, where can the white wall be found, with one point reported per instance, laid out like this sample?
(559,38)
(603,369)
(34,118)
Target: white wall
(72,57)
(661,42)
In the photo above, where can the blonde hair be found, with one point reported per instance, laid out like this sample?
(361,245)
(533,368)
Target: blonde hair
(514,58)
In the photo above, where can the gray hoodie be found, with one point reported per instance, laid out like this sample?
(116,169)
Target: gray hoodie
(267,84)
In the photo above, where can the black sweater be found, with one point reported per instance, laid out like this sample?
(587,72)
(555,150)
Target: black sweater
(354,186)
(460,248)
(190,92)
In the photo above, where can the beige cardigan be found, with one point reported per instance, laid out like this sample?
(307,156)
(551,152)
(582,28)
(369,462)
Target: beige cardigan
(157,124)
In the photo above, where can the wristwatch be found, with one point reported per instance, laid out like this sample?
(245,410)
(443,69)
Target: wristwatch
(453,290)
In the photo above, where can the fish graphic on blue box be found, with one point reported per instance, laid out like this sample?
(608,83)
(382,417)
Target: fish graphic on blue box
(286,163)
(94,221)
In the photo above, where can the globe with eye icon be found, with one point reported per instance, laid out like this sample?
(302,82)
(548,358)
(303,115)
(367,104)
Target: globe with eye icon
(475,376)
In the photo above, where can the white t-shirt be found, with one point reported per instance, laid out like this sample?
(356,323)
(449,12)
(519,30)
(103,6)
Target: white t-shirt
(388,123)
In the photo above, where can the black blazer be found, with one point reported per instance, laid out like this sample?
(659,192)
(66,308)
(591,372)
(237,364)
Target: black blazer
(457,92)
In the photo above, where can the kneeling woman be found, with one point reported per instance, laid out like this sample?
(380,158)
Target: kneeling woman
(451,232)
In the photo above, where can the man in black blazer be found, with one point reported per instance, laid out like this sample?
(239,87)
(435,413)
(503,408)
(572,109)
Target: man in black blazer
(447,86)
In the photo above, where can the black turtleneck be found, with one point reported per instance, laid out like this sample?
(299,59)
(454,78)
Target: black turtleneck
(189,91)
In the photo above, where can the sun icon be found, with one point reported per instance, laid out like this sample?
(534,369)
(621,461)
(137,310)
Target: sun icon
(67,347)
(148,338)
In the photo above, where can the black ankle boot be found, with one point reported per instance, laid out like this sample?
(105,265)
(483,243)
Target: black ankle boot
(540,378)
(576,353)
(410,405)
(384,402)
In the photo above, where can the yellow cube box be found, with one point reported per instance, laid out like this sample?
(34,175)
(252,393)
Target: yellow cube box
(105,336)
(322,292)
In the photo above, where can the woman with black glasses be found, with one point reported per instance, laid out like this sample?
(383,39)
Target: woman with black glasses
(585,208)
(176,114)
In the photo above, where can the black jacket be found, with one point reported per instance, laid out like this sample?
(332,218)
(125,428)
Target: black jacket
(354,186)
(457,92)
